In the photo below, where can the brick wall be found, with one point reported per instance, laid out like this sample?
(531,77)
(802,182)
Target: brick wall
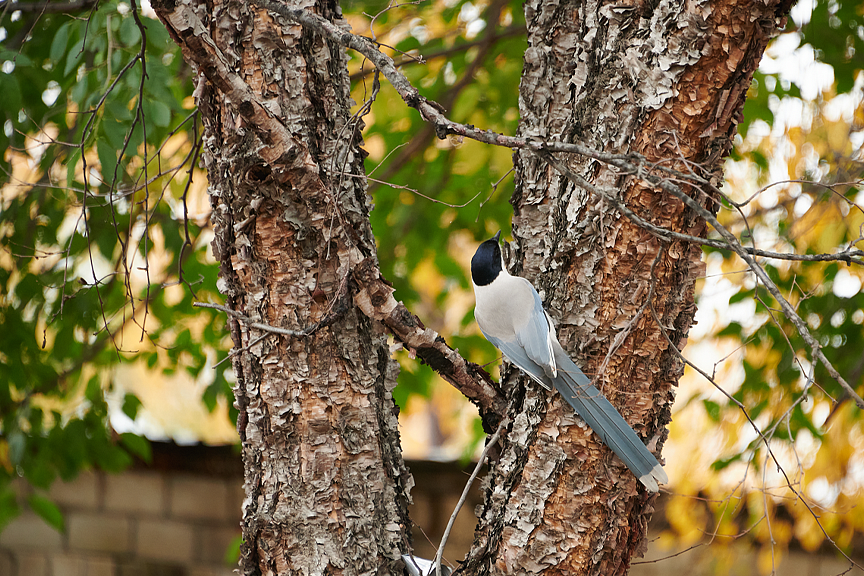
(140,523)
(178,517)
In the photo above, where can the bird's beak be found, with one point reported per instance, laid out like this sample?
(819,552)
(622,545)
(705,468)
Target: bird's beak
(497,236)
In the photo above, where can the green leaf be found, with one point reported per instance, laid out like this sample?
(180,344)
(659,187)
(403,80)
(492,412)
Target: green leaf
(724,462)
(713,410)
(137,445)
(111,458)
(117,110)
(58,45)
(232,554)
(756,410)
(158,113)
(183,339)
(11,91)
(9,508)
(20,59)
(74,57)
(114,131)
(47,510)
(130,35)
(80,91)
(740,296)
(72,440)
(131,404)
(732,329)
(108,159)
(93,393)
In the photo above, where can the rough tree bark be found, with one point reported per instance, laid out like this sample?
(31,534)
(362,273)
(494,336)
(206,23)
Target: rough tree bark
(666,80)
(326,487)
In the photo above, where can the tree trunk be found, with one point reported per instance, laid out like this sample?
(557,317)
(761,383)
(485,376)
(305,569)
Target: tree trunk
(326,487)
(666,80)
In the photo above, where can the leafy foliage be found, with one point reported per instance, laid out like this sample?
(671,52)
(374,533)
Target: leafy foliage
(808,428)
(434,200)
(99,258)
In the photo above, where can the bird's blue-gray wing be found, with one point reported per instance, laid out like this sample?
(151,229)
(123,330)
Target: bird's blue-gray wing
(536,336)
(516,354)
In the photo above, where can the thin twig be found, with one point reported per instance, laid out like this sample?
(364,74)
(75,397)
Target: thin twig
(492,441)
(629,163)
(764,439)
(243,349)
(433,113)
(515,30)
(259,325)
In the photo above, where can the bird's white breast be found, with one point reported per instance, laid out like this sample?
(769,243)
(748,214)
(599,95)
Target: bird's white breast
(504,306)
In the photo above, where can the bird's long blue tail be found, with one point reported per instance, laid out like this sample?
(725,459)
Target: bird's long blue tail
(606,421)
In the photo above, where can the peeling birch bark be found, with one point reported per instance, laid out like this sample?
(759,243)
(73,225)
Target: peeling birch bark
(666,80)
(327,490)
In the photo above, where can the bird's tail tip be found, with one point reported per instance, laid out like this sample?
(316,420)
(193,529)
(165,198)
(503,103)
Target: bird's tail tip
(651,479)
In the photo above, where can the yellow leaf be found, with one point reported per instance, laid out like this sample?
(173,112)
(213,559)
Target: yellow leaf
(838,137)
(768,559)
(808,533)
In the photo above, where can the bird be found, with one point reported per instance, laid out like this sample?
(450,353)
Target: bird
(511,316)
(421,567)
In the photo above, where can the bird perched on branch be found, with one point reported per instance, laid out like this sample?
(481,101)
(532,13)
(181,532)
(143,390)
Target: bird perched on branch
(511,316)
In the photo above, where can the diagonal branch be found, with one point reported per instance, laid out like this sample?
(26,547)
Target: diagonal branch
(375,299)
(198,47)
(515,30)
(433,113)
(761,274)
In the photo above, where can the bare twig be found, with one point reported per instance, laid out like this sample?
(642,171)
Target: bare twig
(433,113)
(630,163)
(492,441)
(266,327)
(762,436)
(515,30)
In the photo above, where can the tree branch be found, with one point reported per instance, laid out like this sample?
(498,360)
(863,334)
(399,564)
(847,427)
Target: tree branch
(46,7)
(375,298)
(760,273)
(433,112)
(273,329)
(490,443)
(505,33)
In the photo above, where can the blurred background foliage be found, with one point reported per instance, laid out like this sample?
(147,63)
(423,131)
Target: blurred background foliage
(104,245)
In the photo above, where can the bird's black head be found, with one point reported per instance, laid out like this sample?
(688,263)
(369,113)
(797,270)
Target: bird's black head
(486,263)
